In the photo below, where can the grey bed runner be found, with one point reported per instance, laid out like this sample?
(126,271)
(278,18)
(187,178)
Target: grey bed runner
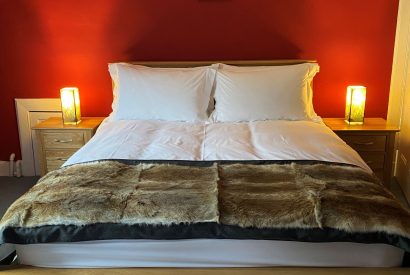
(299,201)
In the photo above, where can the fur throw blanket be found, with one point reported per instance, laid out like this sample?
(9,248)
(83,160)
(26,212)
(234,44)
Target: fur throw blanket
(246,195)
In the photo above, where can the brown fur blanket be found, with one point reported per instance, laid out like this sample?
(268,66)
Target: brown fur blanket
(245,195)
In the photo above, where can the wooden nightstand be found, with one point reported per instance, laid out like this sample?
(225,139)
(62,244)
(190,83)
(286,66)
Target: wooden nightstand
(57,142)
(374,141)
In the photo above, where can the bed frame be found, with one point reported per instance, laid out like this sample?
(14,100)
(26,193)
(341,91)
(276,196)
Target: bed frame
(18,269)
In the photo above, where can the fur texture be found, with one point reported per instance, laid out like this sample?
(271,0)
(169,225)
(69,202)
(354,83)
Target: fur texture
(246,195)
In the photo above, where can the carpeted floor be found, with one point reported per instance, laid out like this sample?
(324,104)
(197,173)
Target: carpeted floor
(11,188)
(396,190)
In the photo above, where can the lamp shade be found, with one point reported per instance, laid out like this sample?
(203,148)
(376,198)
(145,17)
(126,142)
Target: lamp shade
(355,103)
(70,105)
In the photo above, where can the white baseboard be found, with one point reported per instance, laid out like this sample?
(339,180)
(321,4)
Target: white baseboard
(4,168)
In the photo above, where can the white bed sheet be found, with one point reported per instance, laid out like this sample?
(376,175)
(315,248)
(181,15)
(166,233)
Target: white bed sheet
(207,253)
(258,140)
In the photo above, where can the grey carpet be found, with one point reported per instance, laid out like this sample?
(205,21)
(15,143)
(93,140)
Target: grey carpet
(11,188)
(396,190)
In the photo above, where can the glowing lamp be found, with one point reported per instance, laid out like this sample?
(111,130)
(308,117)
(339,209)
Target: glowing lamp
(355,102)
(70,105)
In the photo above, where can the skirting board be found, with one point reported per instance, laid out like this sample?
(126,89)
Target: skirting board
(4,168)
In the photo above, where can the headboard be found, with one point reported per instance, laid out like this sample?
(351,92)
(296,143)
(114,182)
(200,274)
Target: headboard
(187,64)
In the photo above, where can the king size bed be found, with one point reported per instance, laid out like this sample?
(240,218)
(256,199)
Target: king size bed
(210,165)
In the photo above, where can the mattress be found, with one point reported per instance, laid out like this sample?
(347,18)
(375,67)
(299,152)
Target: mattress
(260,140)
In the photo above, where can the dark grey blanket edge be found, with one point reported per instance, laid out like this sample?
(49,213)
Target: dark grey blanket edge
(211,230)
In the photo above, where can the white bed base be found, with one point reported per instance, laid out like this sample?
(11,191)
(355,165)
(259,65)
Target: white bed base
(207,253)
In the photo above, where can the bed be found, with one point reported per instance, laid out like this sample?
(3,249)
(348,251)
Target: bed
(232,191)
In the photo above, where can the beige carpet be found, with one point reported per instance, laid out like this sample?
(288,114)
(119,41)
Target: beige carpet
(200,271)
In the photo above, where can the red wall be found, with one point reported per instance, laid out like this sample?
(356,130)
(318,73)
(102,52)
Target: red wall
(48,44)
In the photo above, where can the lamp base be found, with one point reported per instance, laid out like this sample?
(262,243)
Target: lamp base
(72,123)
(354,122)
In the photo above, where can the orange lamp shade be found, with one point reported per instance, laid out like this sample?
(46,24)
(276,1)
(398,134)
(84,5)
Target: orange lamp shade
(70,105)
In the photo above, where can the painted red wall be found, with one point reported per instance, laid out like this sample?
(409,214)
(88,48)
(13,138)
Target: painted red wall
(48,44)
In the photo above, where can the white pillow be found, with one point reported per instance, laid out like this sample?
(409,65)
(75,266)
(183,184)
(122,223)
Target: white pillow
(174,94)
(264,92)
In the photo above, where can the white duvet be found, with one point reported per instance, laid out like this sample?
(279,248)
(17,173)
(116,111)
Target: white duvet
(258,140)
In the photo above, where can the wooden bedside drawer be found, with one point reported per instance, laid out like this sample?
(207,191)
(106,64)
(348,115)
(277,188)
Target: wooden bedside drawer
(375,160)
(54,158)
(366,142)
(66,139)
(58,142)
(373,140)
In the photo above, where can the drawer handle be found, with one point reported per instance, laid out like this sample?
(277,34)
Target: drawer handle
(369,162)
(63,140)
(62,159)
(364,143)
